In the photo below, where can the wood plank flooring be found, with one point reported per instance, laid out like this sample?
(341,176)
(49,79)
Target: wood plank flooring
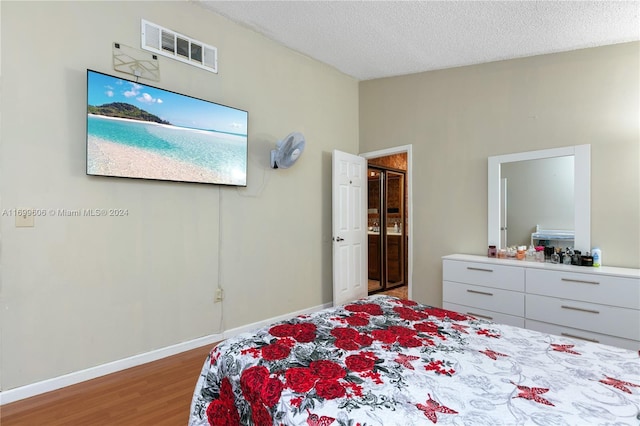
(401,291)
(156,393)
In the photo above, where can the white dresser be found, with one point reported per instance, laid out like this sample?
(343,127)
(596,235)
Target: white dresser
(595,304)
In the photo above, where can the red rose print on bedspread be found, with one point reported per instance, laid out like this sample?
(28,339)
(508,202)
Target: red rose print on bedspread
(402,331)
(406,336)
(384,336)
(326,369)
(347,333)
(226,391)
(282,330)
(434,407)
(409,342)
(252,381)
(409,314)
(350,339)
(303,332)
(443,313)
(330,389)
(347,344)
(271,391)
(428,327)
(360,362)
(359,319)
(370,308)
(300,379)
(275,351)
(260,415)
(222,411)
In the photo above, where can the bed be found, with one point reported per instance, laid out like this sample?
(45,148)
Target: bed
(386,361)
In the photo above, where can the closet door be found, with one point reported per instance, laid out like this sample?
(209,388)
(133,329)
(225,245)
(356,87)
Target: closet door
(375,221)
(394,234)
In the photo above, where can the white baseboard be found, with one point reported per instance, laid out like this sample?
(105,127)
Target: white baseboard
(55,383)
(59,382)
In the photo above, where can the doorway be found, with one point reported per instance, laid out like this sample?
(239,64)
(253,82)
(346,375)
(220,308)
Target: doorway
(386,219)
(396,163)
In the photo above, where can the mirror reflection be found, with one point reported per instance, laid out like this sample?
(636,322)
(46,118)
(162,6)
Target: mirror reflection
(551,196)
(537,197)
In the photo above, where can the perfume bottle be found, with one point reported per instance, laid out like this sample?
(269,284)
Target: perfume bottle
(530,255)
(555,257)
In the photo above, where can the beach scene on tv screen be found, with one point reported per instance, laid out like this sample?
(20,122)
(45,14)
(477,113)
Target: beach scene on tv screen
(140,131)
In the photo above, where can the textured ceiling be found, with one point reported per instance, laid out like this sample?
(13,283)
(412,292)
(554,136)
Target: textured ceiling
(374,39)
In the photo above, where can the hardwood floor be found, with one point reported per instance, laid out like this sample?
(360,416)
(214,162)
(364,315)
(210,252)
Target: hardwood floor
(157,393)
(400,292)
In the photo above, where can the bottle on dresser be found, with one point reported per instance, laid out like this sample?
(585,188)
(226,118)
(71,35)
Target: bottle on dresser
(596,253)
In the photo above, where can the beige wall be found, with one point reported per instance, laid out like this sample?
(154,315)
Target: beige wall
(456,118)
(80,292)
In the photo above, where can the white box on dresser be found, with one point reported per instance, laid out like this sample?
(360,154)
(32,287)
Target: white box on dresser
(580,302)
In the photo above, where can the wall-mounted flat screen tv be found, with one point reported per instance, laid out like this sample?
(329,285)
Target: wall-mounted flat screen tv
(140,131)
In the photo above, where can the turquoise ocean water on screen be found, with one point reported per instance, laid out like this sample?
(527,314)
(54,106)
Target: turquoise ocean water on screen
(220,152)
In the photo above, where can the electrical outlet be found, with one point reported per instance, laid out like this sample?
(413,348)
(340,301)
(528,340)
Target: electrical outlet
(218,297)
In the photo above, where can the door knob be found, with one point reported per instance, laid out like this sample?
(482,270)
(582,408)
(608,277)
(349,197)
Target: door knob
(339,239)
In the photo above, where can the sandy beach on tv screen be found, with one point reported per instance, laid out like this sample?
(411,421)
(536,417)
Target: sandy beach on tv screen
(113,159)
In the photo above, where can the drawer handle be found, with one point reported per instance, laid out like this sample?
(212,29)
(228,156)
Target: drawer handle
(573,308)
(580,337)
(480,292)
(479,269)
(480,316)
(580,281)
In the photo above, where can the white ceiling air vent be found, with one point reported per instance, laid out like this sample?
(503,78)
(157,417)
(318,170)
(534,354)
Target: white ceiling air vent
(169,43)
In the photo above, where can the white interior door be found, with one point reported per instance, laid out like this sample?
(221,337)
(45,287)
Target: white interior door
(349,220)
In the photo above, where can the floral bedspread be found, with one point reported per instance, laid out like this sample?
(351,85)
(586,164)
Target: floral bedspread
(386,361)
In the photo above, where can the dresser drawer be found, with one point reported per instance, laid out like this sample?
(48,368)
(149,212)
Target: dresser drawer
(575,334)
(491,299)
(602,289)
(484,314)
(486,274)
(620,322)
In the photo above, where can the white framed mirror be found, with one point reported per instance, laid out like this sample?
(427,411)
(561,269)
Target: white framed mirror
(497,205)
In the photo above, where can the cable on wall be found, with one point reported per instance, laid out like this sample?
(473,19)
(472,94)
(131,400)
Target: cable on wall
(219,288)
